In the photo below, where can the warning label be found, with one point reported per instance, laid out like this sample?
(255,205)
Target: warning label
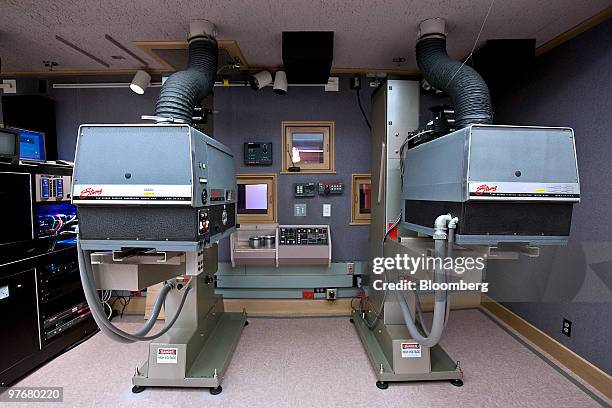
(411,350)
(167,355)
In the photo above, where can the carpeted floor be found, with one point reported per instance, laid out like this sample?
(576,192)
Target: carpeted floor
(319,363)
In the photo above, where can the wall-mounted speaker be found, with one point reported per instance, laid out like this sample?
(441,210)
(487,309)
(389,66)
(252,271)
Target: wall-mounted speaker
(307,56)
(503,62)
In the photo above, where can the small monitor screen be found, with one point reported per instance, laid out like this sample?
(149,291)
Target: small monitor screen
(252,198)
(31,145)
(7,143)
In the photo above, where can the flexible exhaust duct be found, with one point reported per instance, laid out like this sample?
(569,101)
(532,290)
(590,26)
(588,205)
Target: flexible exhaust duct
(465,86)
(183,90)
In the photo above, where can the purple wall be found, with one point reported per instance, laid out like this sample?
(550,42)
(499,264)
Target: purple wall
(245,115)
(570,86)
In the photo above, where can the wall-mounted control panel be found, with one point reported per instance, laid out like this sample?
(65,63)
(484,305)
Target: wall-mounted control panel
(304,189)
(258,153)
(303,235)
(299,210)
(326,188)
(304,245)
(52,188)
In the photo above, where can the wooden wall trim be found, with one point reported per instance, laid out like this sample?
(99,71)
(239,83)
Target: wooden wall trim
(149,48)
(590,373)
(575,31)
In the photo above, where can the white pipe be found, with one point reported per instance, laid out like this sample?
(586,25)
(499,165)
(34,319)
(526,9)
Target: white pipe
(202,27)
(440,226)
(432,26)
(441,310)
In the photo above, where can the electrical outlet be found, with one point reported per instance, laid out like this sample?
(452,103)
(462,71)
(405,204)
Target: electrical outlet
(350,268)
(567,328)
(331,294)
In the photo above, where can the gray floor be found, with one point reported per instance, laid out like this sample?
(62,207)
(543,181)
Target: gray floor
(320,363)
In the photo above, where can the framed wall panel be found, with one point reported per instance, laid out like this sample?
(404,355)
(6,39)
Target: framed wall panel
(361,193)
(309,146)
(256,198)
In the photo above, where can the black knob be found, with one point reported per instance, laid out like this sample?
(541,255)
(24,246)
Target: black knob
(518,173)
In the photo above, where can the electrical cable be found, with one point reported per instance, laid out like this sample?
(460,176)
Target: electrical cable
(435,332)
(441,304)
(98,313)
(106,296)
(125,301)
(474,46)
(361,108)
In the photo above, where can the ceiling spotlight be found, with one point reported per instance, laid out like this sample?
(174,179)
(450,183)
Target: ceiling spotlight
(260,80)
(280,83)
(140,82)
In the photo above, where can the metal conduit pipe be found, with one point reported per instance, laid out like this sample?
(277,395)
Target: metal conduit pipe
(440,296)
(91,295)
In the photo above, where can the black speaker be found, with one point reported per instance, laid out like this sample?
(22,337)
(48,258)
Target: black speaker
(307,56)
(502,63)
(32,112)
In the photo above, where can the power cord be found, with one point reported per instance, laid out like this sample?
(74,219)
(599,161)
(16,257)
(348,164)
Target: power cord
(361,108)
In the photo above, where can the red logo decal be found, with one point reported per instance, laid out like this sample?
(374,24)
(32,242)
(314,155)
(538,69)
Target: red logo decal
(167,351)
(483,188)
(89,192)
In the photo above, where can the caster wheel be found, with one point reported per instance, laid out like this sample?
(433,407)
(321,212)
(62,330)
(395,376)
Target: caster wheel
(246,323)
(352,320)
(457,383)
(215,391)
(383,385)
(137,389)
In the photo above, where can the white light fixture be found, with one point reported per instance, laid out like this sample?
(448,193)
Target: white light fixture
(332,85)
(260,79)
(280,83)
(9,86)
(140,82)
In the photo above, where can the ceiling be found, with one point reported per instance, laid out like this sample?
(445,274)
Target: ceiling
(368,35)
